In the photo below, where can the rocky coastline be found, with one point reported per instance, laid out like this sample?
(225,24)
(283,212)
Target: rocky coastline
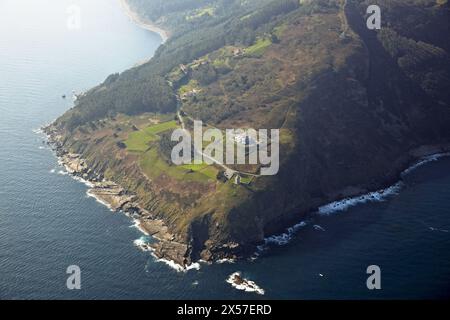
(166,247)
(117,199)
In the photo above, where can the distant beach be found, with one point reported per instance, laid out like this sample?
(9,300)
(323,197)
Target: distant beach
(139,20)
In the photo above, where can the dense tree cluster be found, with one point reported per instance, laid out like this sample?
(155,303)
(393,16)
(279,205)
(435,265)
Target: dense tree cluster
(121,96)
(425,63)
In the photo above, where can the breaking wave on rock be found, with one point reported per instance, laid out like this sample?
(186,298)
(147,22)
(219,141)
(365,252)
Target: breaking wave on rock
(144,244)
(284,238)
(237,281)
(345,204)
(100,201)
(425,160)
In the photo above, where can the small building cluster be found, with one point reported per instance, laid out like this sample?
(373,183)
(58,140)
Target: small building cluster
(190,94)
(237,52)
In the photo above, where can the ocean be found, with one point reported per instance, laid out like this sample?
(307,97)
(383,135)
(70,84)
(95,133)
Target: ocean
(48,223)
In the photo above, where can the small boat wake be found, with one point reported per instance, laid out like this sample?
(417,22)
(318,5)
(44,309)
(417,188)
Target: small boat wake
(438,230)
(318,228)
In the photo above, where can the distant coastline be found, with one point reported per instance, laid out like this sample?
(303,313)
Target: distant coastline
(139,20)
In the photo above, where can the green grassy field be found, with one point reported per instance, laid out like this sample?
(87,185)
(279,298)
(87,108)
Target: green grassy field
(280,29)
(258,48)
(154,165)
(200,13)
(162,127)
(246,179)
(139,141)
(204,169)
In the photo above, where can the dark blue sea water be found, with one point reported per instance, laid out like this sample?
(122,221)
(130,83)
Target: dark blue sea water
(48,223)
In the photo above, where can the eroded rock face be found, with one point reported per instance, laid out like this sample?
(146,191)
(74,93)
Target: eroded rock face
(119,199)
(174,251)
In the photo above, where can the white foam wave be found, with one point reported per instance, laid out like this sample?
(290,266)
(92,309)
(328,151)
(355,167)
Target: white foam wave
(345,204)
(143,244)
(83,181)
(222,261)
(106,204)
(425,160)
(137,225)
(284,238)
(176,266)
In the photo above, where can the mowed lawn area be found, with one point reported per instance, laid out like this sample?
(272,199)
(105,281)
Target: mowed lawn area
(208,170)
(154,165)
(139,141)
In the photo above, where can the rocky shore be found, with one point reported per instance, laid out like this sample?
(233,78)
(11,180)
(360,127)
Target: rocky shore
(119,199)
(167,247)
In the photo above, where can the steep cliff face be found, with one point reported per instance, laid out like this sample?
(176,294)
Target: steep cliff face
(355,108)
